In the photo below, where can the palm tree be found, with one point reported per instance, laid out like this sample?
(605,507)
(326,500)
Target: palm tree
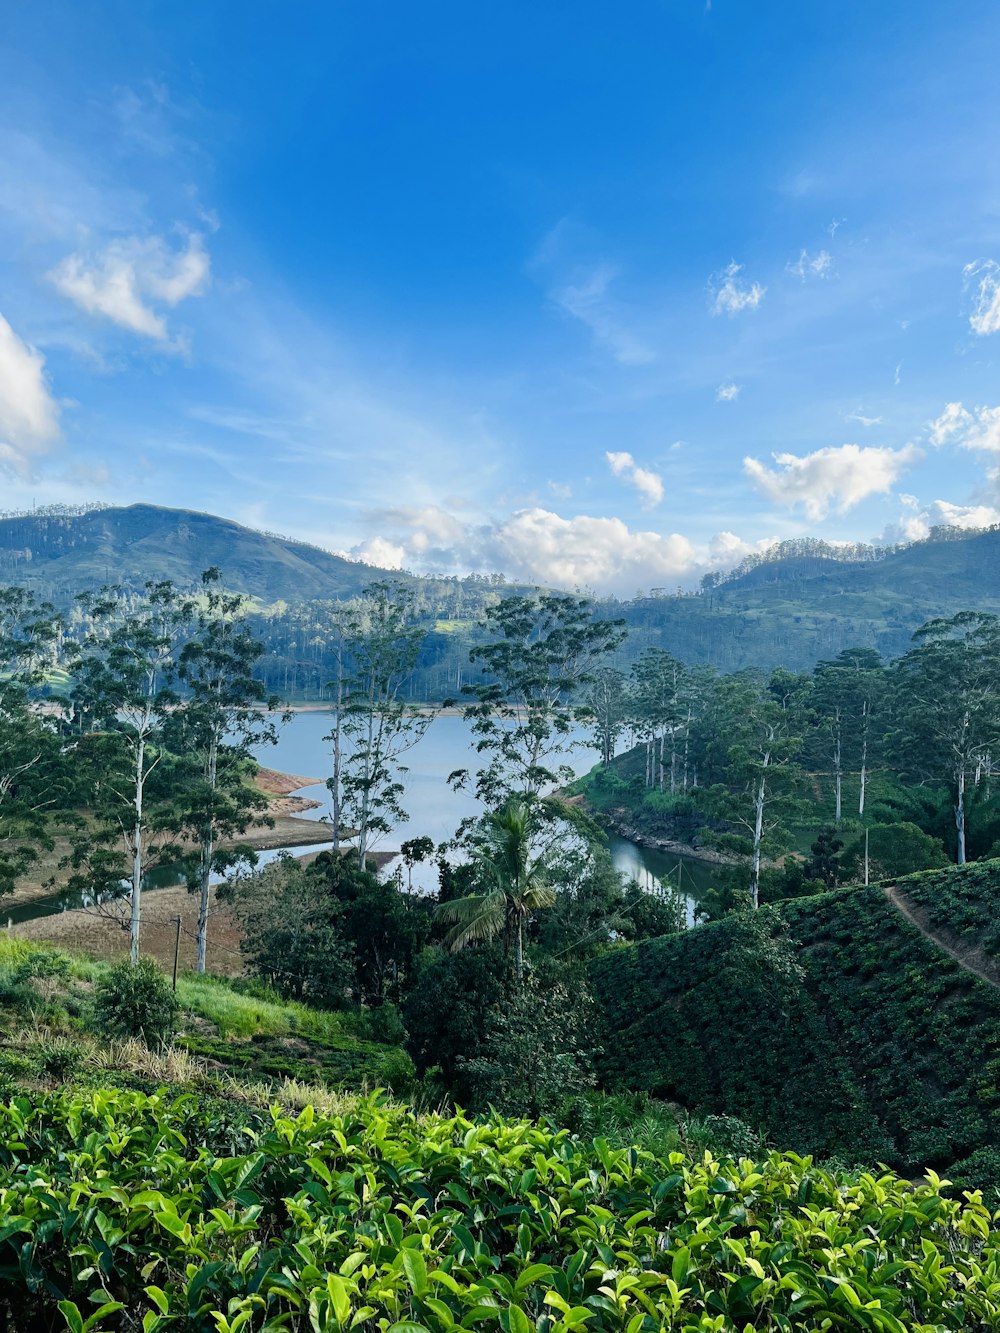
(517,885)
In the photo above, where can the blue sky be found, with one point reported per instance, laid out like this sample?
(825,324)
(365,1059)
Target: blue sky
(600,295)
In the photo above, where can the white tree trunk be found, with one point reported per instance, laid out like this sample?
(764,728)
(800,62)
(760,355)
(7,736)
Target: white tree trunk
(207,855)
(960,815)
(137,835)
(758,837)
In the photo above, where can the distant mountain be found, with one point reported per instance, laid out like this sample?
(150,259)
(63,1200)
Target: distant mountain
(799,607)
(61,554)
(798,604)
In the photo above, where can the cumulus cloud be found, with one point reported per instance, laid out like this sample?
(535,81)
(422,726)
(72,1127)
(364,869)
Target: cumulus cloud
(728,393)
(982,277)
(729,295)
(126,281)
(837,477)
(811,266)
(29,416)
(648,484)
(978,429)
(916,526)
(535,545)
(587,298)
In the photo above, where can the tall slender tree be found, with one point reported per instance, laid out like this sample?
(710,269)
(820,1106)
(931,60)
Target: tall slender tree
(125,686)
(947,706)
(224,717)
(542,654)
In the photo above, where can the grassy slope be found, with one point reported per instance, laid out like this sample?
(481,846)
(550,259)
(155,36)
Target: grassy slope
(830,1022)
(45,999)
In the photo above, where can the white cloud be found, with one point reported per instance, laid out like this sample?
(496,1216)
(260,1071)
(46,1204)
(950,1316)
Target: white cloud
(983,276)
(124,281)
(811,266)
(916,526)
(587,298)
(729,295)
(535,545)
(380,552)
(648,484)
(29,416)
(728,393)
(978,429)
(837,477)
(859,416)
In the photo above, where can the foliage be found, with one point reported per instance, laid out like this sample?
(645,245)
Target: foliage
(374,1218)
(135,1000)
(543,653)
(893,850)
(830,1023)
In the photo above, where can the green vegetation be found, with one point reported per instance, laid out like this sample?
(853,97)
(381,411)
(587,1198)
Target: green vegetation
(121,1207)
(50,999)
(829,1022)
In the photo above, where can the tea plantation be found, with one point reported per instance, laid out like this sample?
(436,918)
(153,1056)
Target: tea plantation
(123,1211)
(831,1023)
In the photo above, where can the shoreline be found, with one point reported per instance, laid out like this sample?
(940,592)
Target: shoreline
(611,820)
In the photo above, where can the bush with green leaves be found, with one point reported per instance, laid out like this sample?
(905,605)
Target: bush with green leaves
(135,1000)
(123,1211)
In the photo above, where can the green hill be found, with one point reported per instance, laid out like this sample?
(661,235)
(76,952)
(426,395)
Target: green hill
(60,554)
(830,1022)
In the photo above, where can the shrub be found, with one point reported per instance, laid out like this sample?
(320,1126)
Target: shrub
(134,1000)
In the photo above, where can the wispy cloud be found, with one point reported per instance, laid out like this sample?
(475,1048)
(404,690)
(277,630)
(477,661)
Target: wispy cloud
(837,477)
(648,484)
(728,294)
(811,266)
(123,281)
(859,416)
(29,415)
(982,278)
(587,297)
(728,393)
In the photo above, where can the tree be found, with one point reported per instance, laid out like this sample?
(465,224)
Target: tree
(34,767)
(848,694)
(757,730)
(125,681)
(606,706)
(414,851)
(291,932)
(223,719)
(514,885)
(947,706)
(546,652)
(377,726)
(824,863)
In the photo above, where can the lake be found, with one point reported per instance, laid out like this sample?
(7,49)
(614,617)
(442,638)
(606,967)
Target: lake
(435,809)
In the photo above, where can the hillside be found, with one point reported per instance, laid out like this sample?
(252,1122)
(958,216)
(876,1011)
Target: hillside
(831,1022)
(797,610)
(61,554)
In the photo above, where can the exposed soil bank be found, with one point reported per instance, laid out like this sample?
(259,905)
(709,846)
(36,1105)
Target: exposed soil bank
(617,820)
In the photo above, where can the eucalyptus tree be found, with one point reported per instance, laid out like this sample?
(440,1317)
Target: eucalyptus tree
(124,692)
(514,883)
(606,706)
(376,726)
(33,762)
(849,697)
(756,730)
(225,715)
(544,653)
(946,697)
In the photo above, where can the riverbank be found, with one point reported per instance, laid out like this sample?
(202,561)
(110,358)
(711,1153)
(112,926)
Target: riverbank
(616,820)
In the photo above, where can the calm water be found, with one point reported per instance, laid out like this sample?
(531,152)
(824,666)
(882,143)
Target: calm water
(435,810)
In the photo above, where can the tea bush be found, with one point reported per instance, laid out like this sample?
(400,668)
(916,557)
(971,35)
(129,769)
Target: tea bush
(122,1211)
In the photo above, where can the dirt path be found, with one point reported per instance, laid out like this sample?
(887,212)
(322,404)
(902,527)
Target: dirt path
(969,957)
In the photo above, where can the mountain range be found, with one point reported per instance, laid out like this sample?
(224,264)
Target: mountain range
(792,608)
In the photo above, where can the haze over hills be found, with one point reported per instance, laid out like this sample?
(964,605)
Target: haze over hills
(796,606)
